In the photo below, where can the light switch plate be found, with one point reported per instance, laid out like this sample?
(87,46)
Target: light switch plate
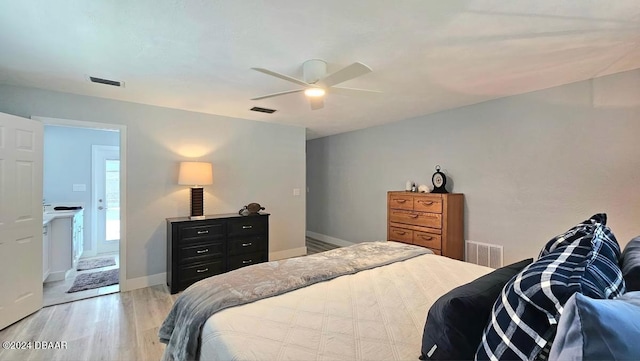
(79,187)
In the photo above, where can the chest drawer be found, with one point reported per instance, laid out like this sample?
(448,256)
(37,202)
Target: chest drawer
(427,204)
(433,220)
(428,240)
(240,261)
(200,231)
(246,226)
(401,235)
(194,252)
(247,245)
(401,201)
(193,272)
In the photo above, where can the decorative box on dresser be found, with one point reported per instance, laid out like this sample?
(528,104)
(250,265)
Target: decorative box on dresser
(431,220)
(197,249)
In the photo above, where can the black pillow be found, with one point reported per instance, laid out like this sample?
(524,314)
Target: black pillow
(630,265)
(456,320)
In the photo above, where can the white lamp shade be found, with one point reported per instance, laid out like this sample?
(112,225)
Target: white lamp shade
(195,174)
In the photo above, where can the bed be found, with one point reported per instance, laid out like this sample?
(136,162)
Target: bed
(373,314)
(376,314)
(370,302)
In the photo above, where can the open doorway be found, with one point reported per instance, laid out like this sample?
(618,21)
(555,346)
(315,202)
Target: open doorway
(82,203)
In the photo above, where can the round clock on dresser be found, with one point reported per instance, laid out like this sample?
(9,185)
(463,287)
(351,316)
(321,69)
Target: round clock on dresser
(439,181)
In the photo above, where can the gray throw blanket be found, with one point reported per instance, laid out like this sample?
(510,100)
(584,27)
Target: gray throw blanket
(181,329)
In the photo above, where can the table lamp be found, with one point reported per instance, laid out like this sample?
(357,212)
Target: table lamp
(196,175)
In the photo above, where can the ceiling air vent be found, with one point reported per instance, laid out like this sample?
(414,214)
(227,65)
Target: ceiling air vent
(263,110)
(105,81)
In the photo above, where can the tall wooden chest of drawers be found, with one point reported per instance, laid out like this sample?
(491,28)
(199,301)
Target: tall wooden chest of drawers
(431,220)
(197,249)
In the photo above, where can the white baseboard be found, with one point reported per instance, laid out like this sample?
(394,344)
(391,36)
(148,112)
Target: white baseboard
(57,276)
(142,282)
(288,253)
(329,239)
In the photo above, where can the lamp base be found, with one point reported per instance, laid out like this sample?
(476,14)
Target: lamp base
(197,203)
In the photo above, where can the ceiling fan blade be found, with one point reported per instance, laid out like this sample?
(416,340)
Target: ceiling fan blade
(281,76)
(347,73)
(353,91)
(277,94)
(316,103)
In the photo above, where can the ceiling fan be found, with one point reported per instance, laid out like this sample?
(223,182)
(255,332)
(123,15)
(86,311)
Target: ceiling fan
(317,82)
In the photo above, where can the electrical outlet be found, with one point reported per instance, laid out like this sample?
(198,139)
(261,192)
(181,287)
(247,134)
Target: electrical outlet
(296,191)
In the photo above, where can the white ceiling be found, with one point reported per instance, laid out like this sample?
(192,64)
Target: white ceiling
(426,55)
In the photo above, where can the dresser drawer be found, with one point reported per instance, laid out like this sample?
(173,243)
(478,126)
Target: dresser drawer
(245,245)
(200,231)
(427,204)
(401,201)
(246,260)
(246,226)
(197,271)
(400,235)
(432,220)
(428,240)
(193,252)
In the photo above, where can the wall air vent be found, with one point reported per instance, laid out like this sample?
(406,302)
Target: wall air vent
(106,81)
(484,254)
(263,110)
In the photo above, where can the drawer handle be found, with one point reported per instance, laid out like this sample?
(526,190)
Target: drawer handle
(400,200)
(247,261)
(427,203)
(413,215)
(401,232)
(203,232)
(247,244)
(247,227)
(203,250)
(426,238)
(202,270)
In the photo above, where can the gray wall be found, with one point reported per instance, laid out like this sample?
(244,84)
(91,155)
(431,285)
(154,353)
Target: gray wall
(67,161)
(530,166)
(252,162)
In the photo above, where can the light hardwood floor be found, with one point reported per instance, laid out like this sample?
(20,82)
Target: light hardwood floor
(120,326)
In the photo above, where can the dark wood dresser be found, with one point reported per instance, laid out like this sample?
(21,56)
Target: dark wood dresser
(432,220)
(197,249)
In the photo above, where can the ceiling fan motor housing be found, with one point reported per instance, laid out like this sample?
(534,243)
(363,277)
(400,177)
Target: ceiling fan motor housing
(314,70)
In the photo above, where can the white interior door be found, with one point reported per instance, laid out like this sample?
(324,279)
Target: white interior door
(106,197)
(20,218)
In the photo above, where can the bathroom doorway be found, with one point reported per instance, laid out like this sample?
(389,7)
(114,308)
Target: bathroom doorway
(82,168)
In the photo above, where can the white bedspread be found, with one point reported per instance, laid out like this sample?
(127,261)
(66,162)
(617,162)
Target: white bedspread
(378,314)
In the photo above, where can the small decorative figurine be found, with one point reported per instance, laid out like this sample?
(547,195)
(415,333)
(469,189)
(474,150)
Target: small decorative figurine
(251,209)
(423,188)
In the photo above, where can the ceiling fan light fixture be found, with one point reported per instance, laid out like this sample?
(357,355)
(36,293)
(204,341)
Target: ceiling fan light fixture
(314,92)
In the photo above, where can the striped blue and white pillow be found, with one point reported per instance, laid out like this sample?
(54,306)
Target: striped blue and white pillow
(525,315)
(582,229)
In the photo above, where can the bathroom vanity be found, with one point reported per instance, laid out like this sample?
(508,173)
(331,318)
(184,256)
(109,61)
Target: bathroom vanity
(63,243)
